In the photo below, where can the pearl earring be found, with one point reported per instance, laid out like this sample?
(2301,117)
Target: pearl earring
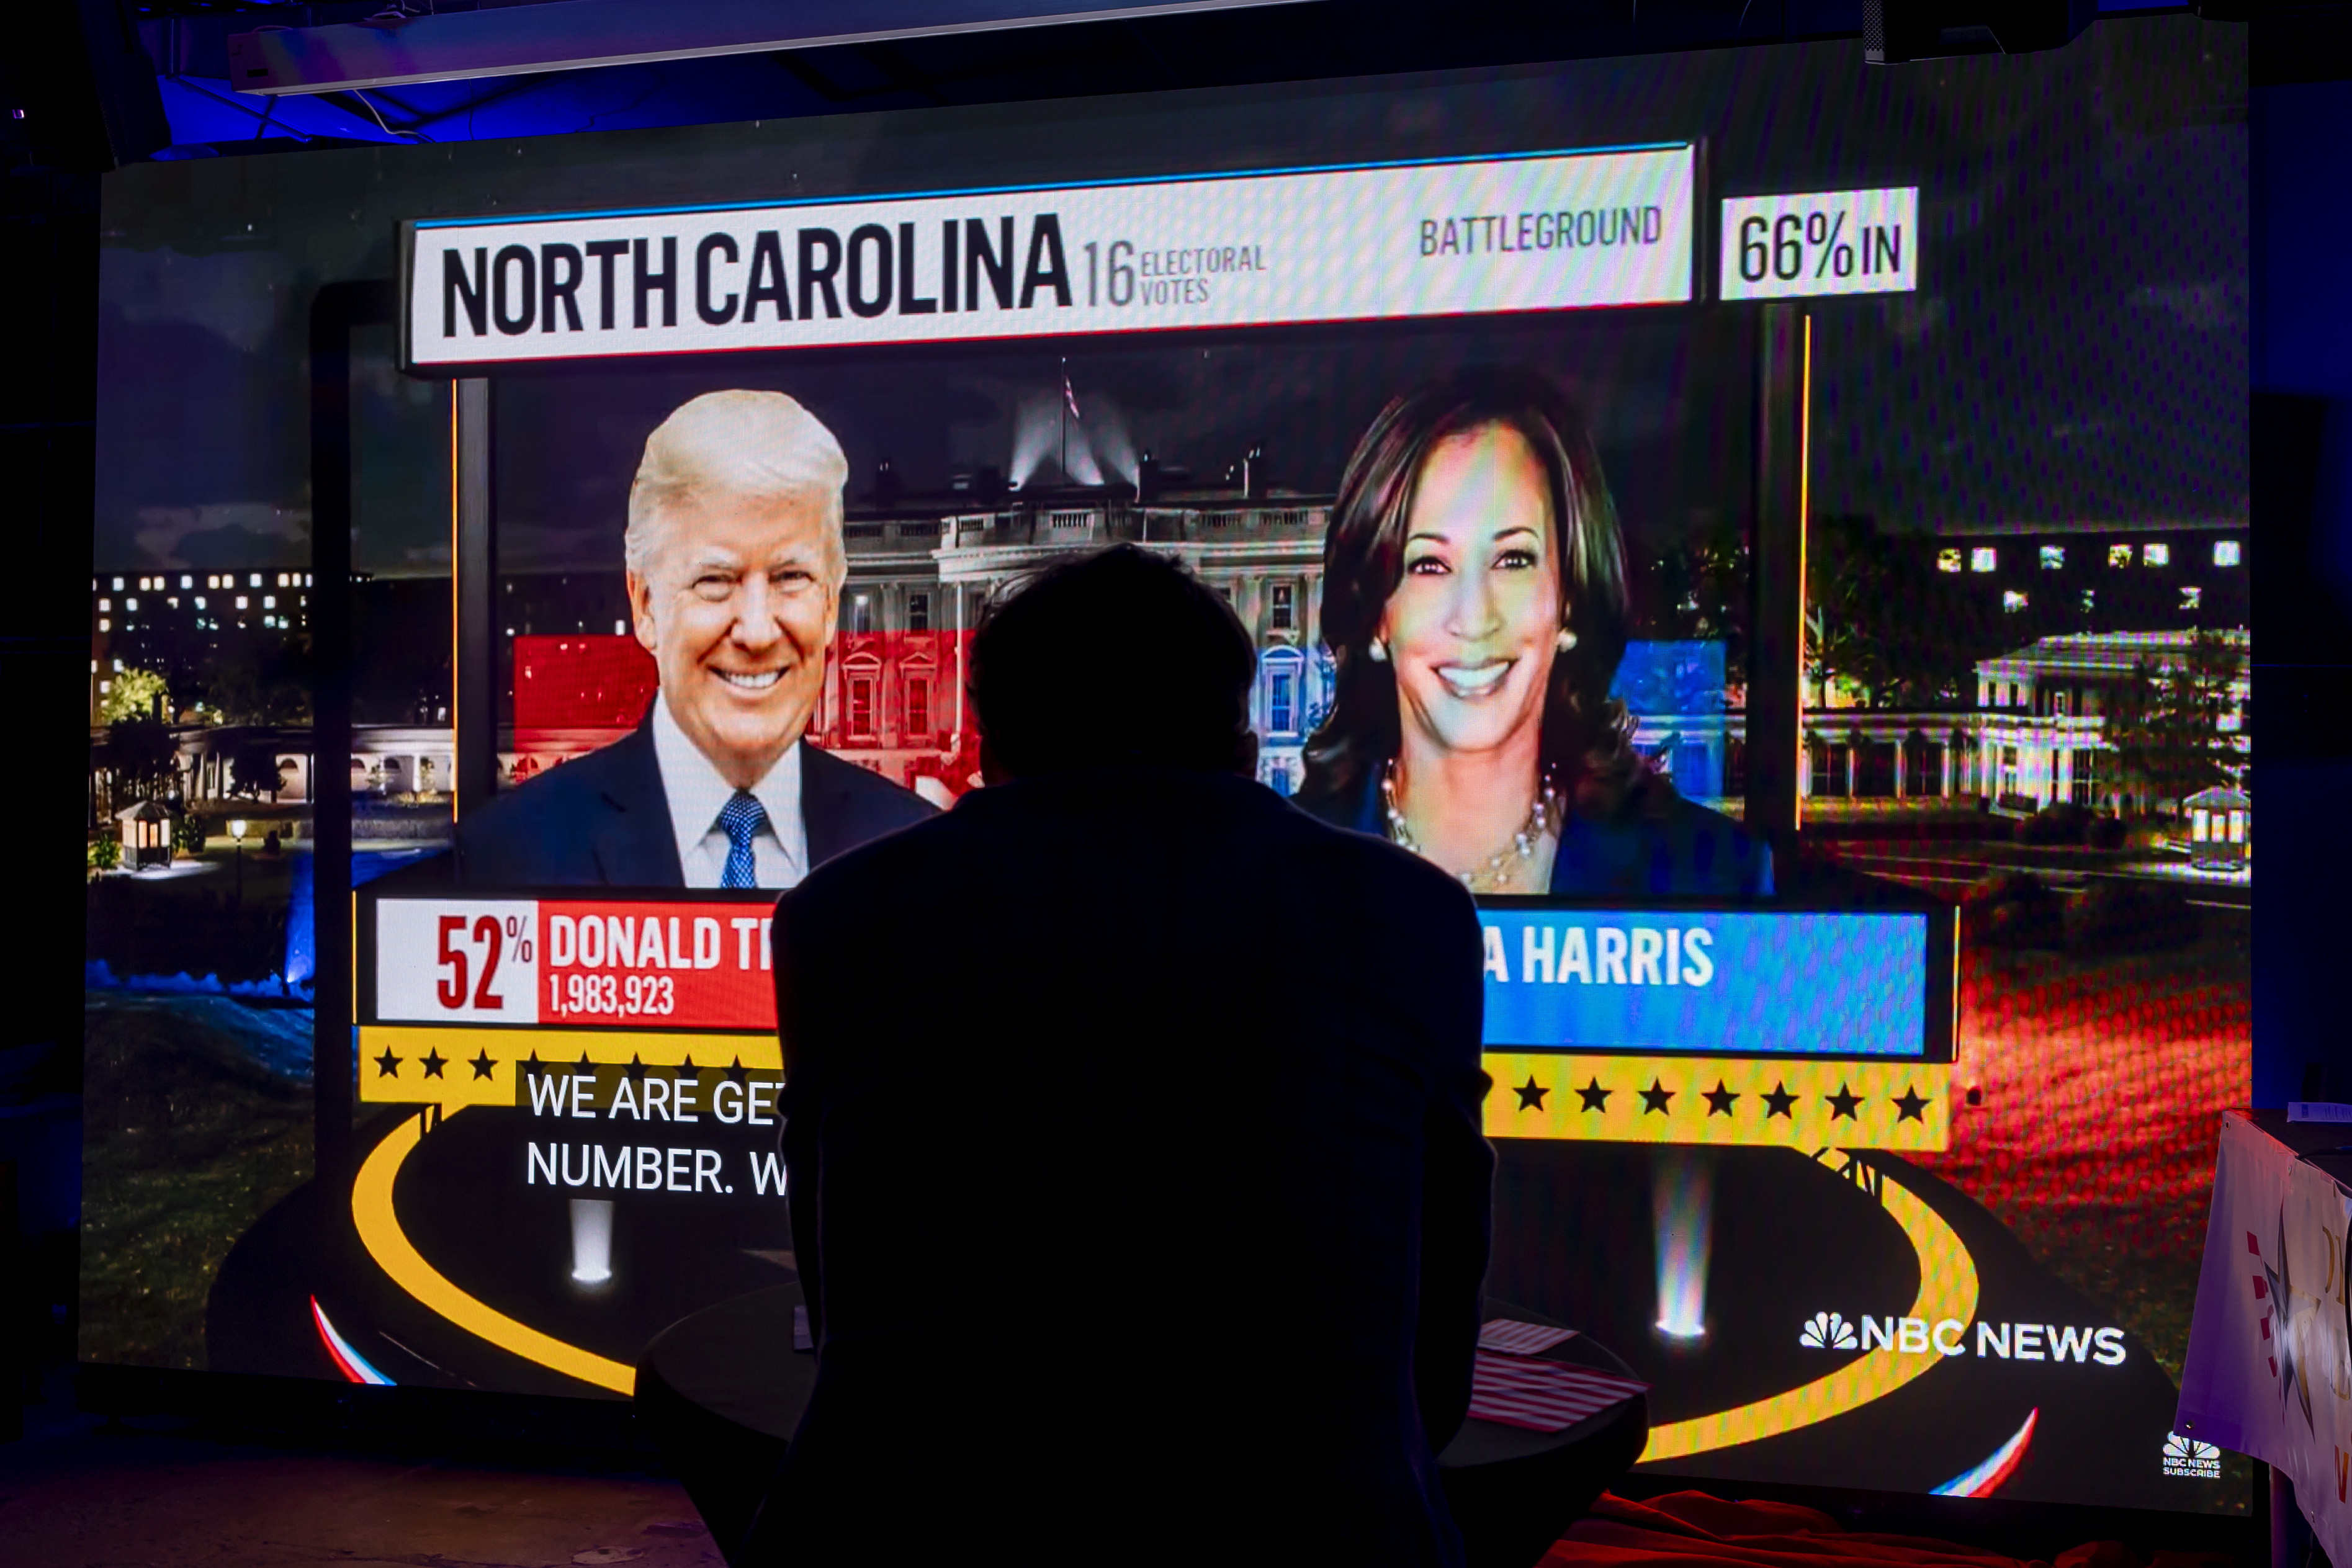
(1378,652)
(1567,639)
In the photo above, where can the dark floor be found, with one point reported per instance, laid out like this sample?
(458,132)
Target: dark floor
(158,1493)
(175,1494)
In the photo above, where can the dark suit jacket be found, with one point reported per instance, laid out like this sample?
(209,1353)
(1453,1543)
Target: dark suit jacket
(604,820)
(1676,849)
(1137,1183)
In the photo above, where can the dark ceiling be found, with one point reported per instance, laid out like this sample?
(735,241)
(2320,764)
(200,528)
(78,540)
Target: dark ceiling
(52,116)
(186,42)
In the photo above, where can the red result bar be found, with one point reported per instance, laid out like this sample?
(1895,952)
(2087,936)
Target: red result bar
(668,965)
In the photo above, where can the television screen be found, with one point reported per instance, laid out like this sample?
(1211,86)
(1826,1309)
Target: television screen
(1865,965)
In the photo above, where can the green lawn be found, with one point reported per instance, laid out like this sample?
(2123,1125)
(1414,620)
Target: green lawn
(188,1140)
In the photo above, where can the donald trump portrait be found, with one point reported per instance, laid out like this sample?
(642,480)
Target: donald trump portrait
(735,568)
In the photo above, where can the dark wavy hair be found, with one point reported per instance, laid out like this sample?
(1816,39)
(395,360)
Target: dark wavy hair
(1588,736)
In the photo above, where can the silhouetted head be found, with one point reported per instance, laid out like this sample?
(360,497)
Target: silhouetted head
(1120,656)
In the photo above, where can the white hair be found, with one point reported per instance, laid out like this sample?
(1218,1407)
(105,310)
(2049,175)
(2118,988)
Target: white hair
(756,444)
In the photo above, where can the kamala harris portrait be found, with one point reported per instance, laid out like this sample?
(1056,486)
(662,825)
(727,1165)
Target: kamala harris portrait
(1476,607)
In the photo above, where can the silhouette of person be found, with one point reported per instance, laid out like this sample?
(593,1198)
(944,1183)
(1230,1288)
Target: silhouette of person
(1133,1137)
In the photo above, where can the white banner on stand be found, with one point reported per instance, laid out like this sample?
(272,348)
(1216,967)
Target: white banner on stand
(2268,1371)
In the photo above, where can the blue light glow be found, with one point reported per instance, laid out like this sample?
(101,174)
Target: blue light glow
(1751,982)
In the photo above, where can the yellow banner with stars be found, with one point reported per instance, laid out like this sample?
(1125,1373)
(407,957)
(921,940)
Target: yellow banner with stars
(410,1065)
(1804,1104)
(1748,1101)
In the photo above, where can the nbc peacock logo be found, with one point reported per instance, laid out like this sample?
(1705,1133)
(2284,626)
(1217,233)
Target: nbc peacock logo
(2191,1459)
(1828,1331)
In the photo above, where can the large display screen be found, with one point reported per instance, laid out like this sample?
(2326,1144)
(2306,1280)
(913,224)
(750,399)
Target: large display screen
(1874,1137)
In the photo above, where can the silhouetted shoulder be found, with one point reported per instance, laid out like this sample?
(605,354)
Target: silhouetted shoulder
(1357,808)
(1396,875)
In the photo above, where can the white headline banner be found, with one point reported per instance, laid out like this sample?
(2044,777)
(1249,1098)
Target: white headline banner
(1547,232)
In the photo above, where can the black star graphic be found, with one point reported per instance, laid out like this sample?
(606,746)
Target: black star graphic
(534,1066)
(636,1068)
(1654,1097)
(434,1062)
(738,1073)
(1719,1098)
(1531,1095)
(1910,1104)
(585,1065)
(1779,1103)
(688,1069)
(481,1064)
(1844,1103)
(387,1065)
(1596,1098)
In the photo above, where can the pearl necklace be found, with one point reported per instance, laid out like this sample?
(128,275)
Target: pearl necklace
(1502,868)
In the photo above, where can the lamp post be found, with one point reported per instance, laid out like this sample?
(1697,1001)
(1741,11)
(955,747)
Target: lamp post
(236,831)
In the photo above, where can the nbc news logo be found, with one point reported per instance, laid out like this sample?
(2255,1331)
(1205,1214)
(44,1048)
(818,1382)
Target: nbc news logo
(2193,1460)
(1827,1330)
(1950,1337)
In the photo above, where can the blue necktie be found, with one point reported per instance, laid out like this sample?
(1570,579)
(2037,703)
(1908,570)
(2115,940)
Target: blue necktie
(740,819)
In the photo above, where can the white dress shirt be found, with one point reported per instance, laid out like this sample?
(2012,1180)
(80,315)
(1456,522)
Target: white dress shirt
(697,794)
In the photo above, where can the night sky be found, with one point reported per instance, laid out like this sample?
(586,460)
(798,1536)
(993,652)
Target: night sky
(2076,352)
(569,444)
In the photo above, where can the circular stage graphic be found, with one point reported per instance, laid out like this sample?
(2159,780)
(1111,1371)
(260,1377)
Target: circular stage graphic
(1861,1319)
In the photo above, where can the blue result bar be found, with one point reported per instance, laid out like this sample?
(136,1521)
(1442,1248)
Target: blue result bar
(1707,981)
